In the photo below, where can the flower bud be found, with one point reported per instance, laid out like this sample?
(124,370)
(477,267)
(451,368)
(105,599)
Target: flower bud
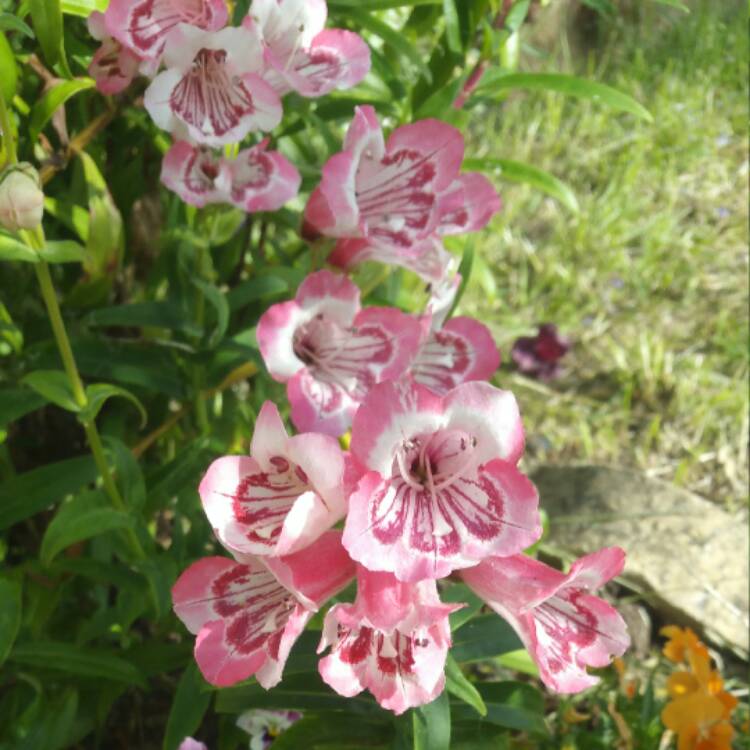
(21,197)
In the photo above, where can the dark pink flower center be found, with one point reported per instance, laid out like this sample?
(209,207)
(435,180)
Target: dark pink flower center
(564,626)
(393,653)
(394,196)
(262,501)
(256,606)
(340,356)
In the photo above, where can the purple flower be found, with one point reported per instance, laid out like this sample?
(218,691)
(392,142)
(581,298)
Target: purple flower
(265,726)
(539,356)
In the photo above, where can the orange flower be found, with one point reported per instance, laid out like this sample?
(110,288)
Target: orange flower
(681,642)
(698,719)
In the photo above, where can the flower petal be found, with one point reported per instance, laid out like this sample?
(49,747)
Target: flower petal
(317,572)
(401,670)
(336,59)
(461,351)
(489,414)
(196,175)
(564,628)
(144,25)
(391,413)
(242,615)
(418,532)
(469,204)
(262,180)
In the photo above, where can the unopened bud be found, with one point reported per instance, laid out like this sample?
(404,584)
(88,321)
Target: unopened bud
(21,197)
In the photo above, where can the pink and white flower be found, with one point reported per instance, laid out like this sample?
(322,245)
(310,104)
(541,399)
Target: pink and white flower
(440,489)
(246,622)
(113,66)
(398,196)
(301,54)
(196,174)
(563,626)
(142,26)
(330,352)
(392,641)
(212,89)
(257,180)
(279,499)
(460,351)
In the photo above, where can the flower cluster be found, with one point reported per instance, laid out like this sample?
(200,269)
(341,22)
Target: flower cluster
(700,709)
(219,83)
(430,486)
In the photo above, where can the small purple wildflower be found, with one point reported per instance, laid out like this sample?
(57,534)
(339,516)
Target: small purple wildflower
(539,356)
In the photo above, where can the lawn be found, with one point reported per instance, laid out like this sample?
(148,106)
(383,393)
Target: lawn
(650,276)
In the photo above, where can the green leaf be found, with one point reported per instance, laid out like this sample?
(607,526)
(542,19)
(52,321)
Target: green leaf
(432,725)
(81,518)
(9,22)
(395,39)
(517,171)
(106,240)
(483,637)
(98,393)
(10,615)
(77,660)
(562,83)
(129,474)
(452,26)
(674,4)
(457,684)
(218,301)
(15,402)
(191,700)
(13,249)
(52,100)
(54,386)
(380,4)
(464,270)
(160,314)
(63,251)
(514,705)
(256,289)
(519,661)
(46,16)
(8,71)
(28,493)
(303,691)
(340,731)
(83,8)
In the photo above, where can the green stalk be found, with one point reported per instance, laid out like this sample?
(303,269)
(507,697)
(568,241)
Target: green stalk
(36,241)
(9,144)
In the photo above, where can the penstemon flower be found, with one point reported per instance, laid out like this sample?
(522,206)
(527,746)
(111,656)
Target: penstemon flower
(400,195)
(212,90)
(330,352)
(303,56)
(392,641)
(143,25)
(113,65)
(459,351)
(245,620)
(282,497)
(563,626)
(440,489)
(256,180)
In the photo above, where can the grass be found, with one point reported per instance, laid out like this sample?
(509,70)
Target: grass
(650,278)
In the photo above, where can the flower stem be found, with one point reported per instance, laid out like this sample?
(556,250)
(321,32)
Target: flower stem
(36,241)
(9,144)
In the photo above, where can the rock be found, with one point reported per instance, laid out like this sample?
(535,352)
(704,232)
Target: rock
(687,555)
